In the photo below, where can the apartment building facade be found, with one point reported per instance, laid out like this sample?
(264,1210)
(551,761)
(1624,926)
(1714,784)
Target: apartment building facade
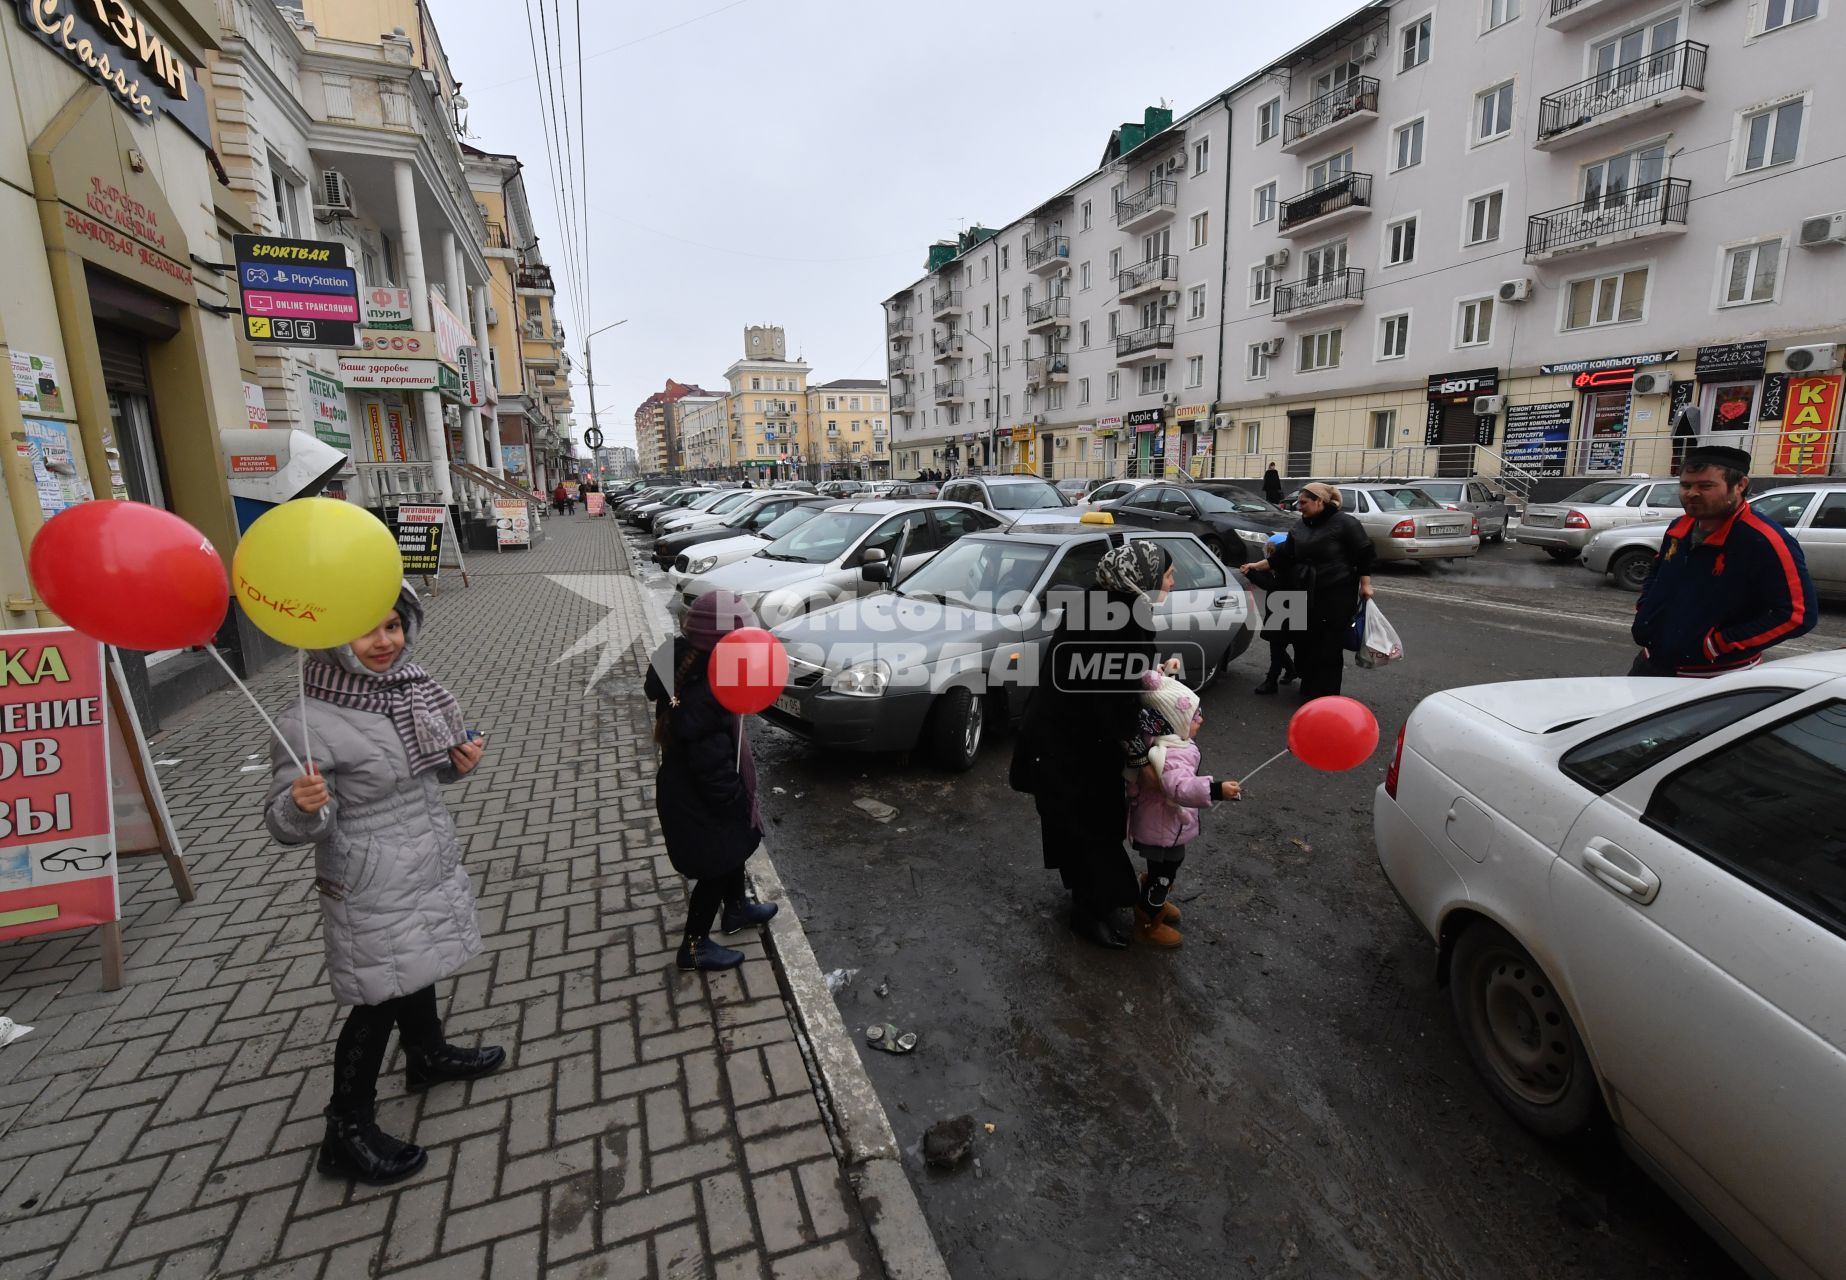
(1513,237)
(849,422)
(768,399)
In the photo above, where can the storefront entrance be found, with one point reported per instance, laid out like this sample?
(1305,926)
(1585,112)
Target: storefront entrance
(1455,440)
(1602,437)
(1300,443)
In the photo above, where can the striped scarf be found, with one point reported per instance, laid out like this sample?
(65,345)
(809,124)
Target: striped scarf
(426,716)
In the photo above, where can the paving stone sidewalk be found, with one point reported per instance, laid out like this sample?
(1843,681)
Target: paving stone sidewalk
(647,1124)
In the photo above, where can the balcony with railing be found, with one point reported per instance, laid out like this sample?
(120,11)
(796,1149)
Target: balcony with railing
(1329,291)
(1336,200)
(1337,111)
(1646,212)
(900,326)
(1047,370)
(1663,81)
(537,276)
(949,391)
(945,304)
(902,364)
(949,346)
(1047,312)
(1147,277)
(1157,200)
(1562,15)
(903,401)
(778,409)
(1142,345)
(1048,254)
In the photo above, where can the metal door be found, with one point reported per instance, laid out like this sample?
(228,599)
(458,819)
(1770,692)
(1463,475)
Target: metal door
(1455,440)
(1301,443)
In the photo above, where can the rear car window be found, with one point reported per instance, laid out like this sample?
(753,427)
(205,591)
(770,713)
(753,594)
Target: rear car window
(1605,493)
(1606,762)
(1193,566)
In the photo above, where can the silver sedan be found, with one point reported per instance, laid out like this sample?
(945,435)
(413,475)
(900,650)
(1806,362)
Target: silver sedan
(1815,515)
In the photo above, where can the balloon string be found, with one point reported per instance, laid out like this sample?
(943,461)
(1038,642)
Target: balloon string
(301,673)
(259,706)
(1259,768)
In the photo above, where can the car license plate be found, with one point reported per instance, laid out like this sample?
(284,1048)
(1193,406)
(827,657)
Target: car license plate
(788,706)
(1444,530)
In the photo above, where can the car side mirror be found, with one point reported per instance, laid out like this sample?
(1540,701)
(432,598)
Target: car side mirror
(875,570)
(1496,497)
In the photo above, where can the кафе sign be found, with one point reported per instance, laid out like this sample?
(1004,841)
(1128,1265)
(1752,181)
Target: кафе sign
(112,43)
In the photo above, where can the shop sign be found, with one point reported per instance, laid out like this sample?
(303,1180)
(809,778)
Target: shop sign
(513,460)
(451,333)
(1806,447)
(412,344)
(392,375)
(375,429)
(1610,362)
(1620,378)
(1453,388)
(394,432)
(327,410)
(1108,426)
(35,380)
(114,45)
(129,231)
(448,382)
(419,538)
(1144,419)
(57,844)
(253,464)
(512,522)
(1732,362)
(1775,395)
(383,307)
(1538,437)
(256,412)
(1022,433)
(296,293)
(1680,399)
(1188,411)
(473,380)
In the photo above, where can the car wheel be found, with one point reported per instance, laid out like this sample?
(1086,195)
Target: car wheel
(955,729)
(1632,567)
(1563,555)
(1519,1033)
(1216,548)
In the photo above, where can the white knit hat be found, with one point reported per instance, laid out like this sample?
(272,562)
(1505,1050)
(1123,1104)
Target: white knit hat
(1171,701)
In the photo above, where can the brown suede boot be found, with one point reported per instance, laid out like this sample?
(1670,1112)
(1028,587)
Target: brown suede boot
(1169,914)
(1155,933)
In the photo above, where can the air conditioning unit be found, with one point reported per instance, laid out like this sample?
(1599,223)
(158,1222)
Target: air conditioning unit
(1169,299)
(1516,290)
(1277,260)
(1220,421)
(1366,49)
(1489,406)
(493,314)
(1815,359)
(1272,347)
(1827,228)
(1038,419)
(1063,273)
(336,195)
(1169,398)
(1653,383)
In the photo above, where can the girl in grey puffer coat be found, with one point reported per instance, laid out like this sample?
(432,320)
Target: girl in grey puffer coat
(397,911)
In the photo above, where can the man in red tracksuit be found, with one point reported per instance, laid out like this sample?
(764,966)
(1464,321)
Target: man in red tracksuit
(1727,585)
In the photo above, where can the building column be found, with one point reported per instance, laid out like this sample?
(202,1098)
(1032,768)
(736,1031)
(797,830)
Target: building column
(489,437)
(455,285)
(430,406)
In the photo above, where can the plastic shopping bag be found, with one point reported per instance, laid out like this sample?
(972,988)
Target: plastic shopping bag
(1380,644)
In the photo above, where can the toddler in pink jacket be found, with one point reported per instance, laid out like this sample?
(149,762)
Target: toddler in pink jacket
(1163,820)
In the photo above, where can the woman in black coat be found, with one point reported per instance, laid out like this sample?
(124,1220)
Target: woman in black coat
(1329,555)
(705,792)
(1082,729)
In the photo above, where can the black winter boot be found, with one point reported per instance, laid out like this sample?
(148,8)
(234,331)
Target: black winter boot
(356,1148)
(448,1062)
(1268,685)
(703,953)
(742,915)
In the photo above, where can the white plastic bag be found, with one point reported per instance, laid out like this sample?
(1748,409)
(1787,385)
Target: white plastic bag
(1380,645)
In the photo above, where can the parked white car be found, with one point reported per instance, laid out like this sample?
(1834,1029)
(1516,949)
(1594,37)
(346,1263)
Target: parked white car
(706,556)
(1637,892)
(1815,515)
(1563,529)
(701,512)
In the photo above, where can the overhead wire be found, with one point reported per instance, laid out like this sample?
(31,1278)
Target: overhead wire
(561,182)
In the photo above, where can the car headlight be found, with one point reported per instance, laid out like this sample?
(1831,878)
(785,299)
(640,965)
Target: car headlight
(704,565)
(865,679)
(1253,538)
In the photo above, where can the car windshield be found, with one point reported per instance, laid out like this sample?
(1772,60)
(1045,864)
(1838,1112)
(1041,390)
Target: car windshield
(686,497)
(822,539)
(1604,493)
(731,500)
(1402,500)
(981,573)
(1210,500)
(1442,492)
(788,522)
(707,501)
(1024,497)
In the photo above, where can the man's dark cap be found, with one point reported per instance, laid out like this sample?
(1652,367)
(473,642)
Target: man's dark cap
(1716,455)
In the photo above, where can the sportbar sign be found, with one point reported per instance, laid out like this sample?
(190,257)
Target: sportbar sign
(113,44)
(296,293)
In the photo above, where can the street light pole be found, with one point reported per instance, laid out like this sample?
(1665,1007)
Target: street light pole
(589,371)
(993,394)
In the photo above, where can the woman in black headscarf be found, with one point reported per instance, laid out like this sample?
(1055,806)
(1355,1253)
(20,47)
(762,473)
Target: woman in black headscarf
(1081,730)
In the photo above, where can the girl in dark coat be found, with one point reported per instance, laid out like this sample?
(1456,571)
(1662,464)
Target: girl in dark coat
(1082,728)
(705,792)
(1330,556)
(1276,622)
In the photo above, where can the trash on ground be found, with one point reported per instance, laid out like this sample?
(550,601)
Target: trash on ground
(949,1142)
(779,791)
(175,760)
(253,768)
(891,1040)
(883,988)
(838,980)
(877,810)
(11,1031)
(989,1126)
(1304,846)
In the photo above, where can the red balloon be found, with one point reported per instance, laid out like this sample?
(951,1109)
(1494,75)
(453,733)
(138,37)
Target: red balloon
(130,575)
(1333,734)
(748,670)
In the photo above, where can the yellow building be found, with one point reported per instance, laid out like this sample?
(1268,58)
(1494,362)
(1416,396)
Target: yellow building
(849,429)
(770,425)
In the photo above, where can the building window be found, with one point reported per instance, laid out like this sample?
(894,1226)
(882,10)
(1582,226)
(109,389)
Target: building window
(1006,305)
(1493,113)
(1771,137)
(1257,367)
(1264,203)
(1329,170)
(832,403)
(1384,427)
(1262,284)
(756,384)
(1750,273)
(1201,156)
(1401,242)
(985,263)
(1484,217)
(1153,377)
(1195,371)
(853,403)
(1083,333)
(1201,229)
(1115,386)
(1617,298)
(1089,214)
(986,313)
(1195,302)
(1006,404)
(1252,438)
(287,221)
(1006,356)
(1779,13)
(1083,276)
(1083,390)
(1413,44)
(1268,120)
(1476,328)
(1054,397)
(1319,351)
(1409,148)
(1115,263)
(1500,12)
(1394,337)
(1006,258)
(1115,325)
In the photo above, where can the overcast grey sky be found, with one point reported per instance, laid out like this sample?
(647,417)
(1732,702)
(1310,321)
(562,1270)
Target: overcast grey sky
(789,161)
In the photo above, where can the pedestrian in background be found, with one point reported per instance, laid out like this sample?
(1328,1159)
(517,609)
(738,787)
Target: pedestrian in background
(1328,555)
(397,912)
(1272,484)
(705,790)
(1727,585)
(560,498)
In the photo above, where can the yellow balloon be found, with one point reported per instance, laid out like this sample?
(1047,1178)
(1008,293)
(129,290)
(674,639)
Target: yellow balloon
(317,572)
